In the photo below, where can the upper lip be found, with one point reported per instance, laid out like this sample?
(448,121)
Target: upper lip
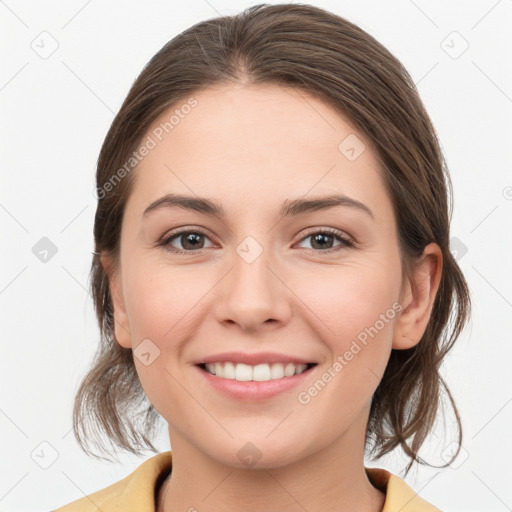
(253,359)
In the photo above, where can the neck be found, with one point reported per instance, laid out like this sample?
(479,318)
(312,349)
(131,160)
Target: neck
(325,480)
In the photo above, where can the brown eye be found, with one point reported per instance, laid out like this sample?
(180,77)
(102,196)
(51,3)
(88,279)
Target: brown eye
(323,240)
(191,241)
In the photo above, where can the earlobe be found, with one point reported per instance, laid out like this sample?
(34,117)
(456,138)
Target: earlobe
(121,324)
(418,299)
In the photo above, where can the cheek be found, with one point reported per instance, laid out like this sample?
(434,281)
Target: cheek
(160,307)
(161,301)
(346,300)
(355,315)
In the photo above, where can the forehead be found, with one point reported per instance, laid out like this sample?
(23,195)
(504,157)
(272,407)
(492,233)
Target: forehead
(253,145)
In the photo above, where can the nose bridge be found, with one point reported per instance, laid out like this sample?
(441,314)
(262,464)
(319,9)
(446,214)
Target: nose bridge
(251,280)
(252,293)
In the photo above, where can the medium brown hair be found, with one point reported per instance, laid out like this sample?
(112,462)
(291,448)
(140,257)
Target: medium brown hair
(320,53)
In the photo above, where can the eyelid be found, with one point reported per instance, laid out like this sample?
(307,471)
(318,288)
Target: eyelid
(346,240)
(175,233)
(331,231)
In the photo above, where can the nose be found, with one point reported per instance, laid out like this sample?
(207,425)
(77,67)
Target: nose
(253,295)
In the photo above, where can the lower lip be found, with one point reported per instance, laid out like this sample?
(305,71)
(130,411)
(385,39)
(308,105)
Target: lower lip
(254,390)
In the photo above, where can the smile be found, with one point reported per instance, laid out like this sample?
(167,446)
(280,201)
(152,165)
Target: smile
(239,381)
(260,372)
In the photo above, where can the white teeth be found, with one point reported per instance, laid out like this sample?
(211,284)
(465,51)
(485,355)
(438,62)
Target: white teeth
(228,371)
(289,370)
(243,372)
(276,371)
(261,372)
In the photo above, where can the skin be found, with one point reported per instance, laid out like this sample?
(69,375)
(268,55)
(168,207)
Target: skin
(250,148)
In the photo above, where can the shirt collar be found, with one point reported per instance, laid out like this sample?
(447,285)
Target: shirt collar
(138,491)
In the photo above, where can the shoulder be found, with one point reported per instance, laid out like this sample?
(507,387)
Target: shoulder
(135,492)
(399,495)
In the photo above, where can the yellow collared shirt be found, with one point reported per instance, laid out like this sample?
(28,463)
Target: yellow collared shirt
(137,491)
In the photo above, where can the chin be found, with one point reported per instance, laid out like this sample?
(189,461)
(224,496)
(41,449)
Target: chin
(256,452)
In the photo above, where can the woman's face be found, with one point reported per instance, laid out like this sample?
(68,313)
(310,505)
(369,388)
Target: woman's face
(256,281)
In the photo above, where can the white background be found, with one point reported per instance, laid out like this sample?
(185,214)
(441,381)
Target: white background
(54,115)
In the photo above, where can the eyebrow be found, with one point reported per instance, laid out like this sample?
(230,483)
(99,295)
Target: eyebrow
(288,208)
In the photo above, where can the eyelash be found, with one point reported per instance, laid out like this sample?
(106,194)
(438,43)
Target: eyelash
(345,242)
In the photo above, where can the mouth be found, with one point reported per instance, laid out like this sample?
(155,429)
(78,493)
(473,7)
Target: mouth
(259,373)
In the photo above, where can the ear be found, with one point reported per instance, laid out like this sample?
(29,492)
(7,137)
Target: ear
(418,295)
(121,324)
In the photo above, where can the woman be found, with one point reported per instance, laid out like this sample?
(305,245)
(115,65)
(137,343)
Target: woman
(272,272)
